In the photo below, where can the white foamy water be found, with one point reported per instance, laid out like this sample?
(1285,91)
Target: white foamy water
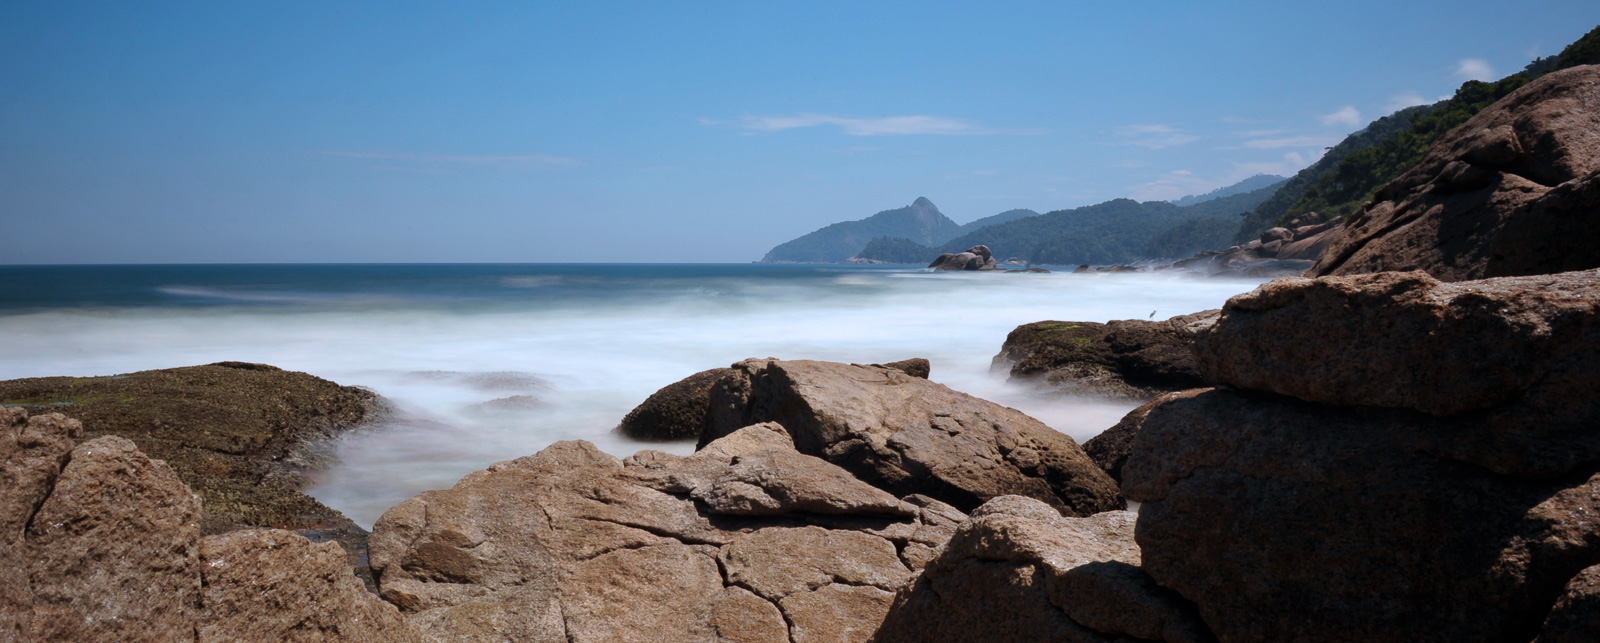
(574,366)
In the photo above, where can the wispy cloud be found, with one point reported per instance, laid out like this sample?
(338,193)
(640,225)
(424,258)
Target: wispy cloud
(1155,136)
(1290,141)
(1474,69)
(514,161)
(907,125)
(1347,115)
(1408,99)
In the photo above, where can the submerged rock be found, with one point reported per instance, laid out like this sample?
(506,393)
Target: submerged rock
(908,435)
(1513,191)
(1133,359)
(744,540)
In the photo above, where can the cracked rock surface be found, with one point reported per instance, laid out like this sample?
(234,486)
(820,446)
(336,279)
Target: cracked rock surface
(1513,191)
(907,435)
(746,540)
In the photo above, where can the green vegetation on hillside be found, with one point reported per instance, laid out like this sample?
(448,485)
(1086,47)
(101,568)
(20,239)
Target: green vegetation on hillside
(1192,237)
(1267,214)
(1117,231)
(896,250)
(1352,173)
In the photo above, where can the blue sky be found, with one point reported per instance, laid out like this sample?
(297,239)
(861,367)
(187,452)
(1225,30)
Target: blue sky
(673,132)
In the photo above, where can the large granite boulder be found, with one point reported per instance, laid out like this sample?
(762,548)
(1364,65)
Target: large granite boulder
(908,435)
(1512,359)
(676,412)
(103,544)
(1017,570)
(974,258)
(1513,191)
(1442,491)
(1130,359)
(746,540)
(240,435)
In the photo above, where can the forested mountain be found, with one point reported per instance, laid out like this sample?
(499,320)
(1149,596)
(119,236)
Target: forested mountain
(893,250)
(1248,185)
(920,222)
(1003,217)
(1117,231)
(1352,172)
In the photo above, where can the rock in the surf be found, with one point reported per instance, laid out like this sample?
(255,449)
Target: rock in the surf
(1131,359)
(676,412)
(908,435)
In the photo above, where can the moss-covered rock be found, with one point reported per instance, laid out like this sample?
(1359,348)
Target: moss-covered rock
(1132,359)
(240,435)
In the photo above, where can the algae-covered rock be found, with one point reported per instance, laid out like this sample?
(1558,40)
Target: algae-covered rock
(240,435)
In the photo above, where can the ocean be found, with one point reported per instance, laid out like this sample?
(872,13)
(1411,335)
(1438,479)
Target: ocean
(488,362)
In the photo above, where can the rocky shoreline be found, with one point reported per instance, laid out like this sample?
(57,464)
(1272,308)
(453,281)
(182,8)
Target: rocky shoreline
(1362,455)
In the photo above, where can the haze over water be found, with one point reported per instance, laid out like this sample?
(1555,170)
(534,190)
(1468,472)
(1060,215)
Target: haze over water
(573,347)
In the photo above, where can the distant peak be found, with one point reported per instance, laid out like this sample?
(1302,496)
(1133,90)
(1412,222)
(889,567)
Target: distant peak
(923,202)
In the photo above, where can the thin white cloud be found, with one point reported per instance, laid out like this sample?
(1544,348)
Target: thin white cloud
(907,125)
(1474,69)
(1408,99)
(1182,172)
(515,161)
(1291,163)
(1155,137)
(1258,133)
(1347,115)
(1290,141)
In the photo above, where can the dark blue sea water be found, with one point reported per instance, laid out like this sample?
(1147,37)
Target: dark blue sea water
(575,346)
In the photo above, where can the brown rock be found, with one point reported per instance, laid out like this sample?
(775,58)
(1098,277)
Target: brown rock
(1019,571)
(32,453)
(908,435)
(1512,191)
(111,553)
(1310,241)
(730,543)
(1512,358)
(240,435)
(1287,520)
(110,550)
(677,411)
(1276,234)
(1576,615)
(273,585)
(1132,359)
(974,258)
(915,367)
(1111,448)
